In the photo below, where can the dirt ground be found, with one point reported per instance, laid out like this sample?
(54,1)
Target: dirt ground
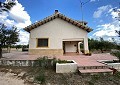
(25,76)
(10,79)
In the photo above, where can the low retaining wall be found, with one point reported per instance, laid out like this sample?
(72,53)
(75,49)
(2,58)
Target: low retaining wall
(17,62)
(114,65)
(111,65)
(66,67)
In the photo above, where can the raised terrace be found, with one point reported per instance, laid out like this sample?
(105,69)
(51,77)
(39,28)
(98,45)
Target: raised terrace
(86,64)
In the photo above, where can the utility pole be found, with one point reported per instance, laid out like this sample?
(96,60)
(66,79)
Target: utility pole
(81,6)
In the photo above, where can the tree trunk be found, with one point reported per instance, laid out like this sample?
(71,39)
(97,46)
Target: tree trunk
(0,52)
(101,50)
(9,49)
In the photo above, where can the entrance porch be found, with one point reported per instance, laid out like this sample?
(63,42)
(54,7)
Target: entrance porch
(73,46)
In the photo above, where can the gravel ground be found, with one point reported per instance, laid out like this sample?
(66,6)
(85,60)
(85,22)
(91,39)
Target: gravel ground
(10,79)
(25,76)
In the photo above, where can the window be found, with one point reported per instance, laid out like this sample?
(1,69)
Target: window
(42,42)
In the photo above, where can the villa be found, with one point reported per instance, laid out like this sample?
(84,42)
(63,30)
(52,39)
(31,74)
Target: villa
(57,35)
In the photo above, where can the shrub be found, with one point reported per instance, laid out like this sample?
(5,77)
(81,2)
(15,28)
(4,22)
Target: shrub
(24,49)
(88,54)
(53,62)
(43,62)
(117,74)
(64,61)
(117,54)
(40,78)
(90,82)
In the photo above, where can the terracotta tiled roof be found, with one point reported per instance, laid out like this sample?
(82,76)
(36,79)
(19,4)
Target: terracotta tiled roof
(77,23)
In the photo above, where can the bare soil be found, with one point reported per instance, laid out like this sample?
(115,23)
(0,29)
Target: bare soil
(52,78)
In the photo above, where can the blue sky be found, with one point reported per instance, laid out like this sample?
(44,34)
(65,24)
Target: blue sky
(98,14)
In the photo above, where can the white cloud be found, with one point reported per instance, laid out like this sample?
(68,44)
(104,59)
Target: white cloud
(113,13)
(20,18)
(92,0)
(101,10)
(24,37)
(107,30)
(18,13)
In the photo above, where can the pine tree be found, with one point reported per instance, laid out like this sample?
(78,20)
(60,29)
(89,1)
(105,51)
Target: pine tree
(8,36)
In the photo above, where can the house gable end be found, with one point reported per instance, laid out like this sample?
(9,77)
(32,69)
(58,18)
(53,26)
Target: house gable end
(54,16)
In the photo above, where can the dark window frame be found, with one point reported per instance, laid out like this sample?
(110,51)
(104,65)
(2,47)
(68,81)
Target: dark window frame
(43,44)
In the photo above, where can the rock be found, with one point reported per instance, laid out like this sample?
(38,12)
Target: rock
(10,70)
(21,74)
(31,80)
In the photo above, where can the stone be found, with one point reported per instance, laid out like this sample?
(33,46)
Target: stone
(21,74)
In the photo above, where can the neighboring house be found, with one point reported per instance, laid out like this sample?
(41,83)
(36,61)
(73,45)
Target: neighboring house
(56,35)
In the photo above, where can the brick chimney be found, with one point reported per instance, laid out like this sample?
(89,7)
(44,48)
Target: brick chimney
(56,11)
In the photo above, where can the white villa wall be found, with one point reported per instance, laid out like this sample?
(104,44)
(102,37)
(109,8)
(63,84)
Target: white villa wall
(57,30)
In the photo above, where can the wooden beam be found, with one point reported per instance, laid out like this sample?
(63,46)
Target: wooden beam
(63,17)
(67,19)
(71,21)
(60,15)
(79,25)
(74,23)
(39,23)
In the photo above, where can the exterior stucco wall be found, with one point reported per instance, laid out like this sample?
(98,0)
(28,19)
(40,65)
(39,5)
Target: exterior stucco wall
(56,30)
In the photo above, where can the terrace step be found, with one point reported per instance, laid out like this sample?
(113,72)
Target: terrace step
(92,67)
(95,71)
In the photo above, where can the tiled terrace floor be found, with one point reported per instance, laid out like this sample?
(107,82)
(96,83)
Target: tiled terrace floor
(82,60)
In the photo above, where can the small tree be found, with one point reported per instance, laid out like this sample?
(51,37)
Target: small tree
(117,54)
(7,37)
(6,6)
(118,32)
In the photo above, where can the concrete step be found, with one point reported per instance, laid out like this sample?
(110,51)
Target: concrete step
(92,67)
(95,71)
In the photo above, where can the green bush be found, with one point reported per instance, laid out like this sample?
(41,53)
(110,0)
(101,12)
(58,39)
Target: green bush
(64,61)
(40,78)
(90,83)
(117,75)
(54,61)
(117,54)
(43,62)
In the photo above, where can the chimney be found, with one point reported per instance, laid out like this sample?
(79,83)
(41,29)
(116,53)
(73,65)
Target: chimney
(56,11)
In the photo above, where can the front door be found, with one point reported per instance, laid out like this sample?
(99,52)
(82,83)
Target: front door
(70,46)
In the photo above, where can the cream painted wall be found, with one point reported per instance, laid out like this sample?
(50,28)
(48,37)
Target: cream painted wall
(56,30)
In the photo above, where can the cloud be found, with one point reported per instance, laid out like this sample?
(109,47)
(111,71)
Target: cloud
(107,30)
(19,14)
(92,0)
(113,13)
(24,37)
(20,18)
(101,10)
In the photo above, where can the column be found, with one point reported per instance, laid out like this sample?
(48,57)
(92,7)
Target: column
(86,48)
